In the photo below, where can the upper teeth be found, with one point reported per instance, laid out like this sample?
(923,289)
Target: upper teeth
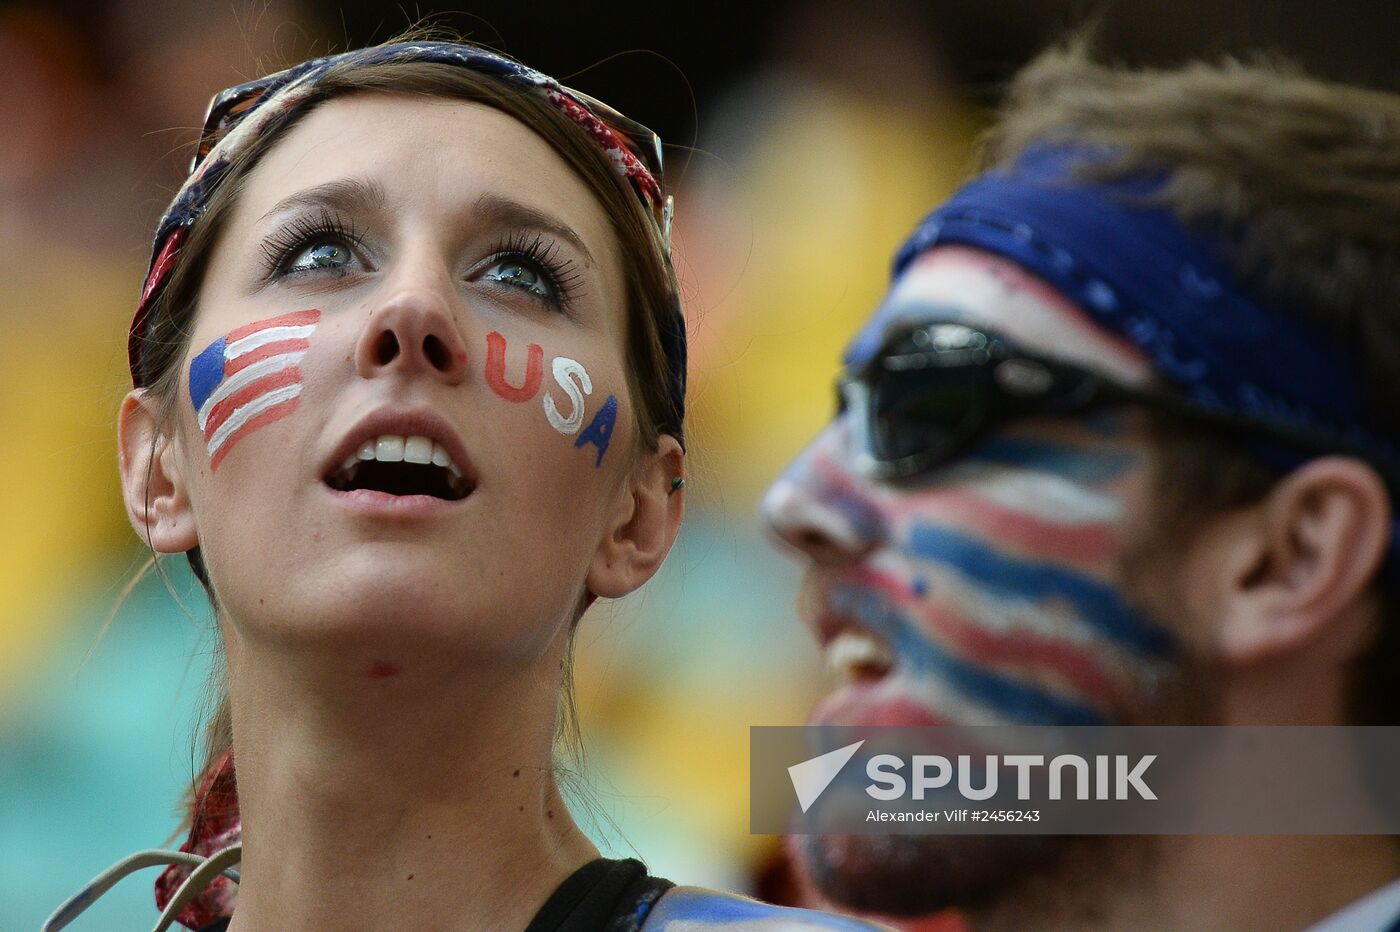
(852,652)
(393,448)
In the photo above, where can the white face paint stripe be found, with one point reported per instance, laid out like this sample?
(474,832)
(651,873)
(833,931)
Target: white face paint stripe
(566,371)
(244,378)
(1040,495)
(962,284)
(264,337)
(252,409)
(1007,617)
(949,703)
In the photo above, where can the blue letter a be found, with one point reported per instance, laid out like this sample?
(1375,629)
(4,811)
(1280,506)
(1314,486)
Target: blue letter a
(599,430)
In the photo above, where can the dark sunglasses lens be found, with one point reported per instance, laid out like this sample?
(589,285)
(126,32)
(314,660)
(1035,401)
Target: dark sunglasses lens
(926,415)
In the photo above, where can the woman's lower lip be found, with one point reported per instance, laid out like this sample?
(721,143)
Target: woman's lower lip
(382,504)
(874,703)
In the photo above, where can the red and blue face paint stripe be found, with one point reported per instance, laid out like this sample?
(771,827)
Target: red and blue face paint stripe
(249,378)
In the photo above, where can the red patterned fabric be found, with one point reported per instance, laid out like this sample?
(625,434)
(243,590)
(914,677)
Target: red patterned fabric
(216,825)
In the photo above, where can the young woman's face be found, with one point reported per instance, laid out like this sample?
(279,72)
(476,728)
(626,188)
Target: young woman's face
(404,409)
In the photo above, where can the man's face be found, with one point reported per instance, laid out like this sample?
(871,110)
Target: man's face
(987,591)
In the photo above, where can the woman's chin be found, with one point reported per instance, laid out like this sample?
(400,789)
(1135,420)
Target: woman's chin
(382,607)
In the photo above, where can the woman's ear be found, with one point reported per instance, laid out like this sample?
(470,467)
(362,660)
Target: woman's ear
(157,498)
(644,532)
(1292,570)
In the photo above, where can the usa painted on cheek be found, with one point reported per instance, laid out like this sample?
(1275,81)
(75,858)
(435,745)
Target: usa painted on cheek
(993,597)
(572,379)
(250,378)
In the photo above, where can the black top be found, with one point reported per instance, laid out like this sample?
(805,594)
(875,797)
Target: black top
(601,896)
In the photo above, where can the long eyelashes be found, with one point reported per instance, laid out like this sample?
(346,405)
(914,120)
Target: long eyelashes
(560,275)
(550,279)
(321,227)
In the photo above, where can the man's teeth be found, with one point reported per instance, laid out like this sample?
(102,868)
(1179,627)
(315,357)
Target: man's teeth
(392,448)
(855,654)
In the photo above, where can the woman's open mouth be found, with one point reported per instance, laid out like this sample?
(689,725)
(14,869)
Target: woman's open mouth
(401,466)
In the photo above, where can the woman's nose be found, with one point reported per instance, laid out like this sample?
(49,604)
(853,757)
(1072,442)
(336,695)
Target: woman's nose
(413,333)
(821,507)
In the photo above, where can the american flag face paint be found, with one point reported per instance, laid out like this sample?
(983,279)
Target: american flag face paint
(988,591)
(249,378)
(991,590)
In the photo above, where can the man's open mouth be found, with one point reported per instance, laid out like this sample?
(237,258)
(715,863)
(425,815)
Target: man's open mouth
(858,656)
(397,465)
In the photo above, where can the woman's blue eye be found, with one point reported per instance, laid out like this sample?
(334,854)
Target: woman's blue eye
(521,275)
(321,256)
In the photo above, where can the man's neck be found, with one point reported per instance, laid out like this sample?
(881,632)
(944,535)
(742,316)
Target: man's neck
(1196,882)
(422,800)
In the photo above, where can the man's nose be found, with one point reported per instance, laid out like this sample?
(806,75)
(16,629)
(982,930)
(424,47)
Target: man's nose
(413,333)
(821,507)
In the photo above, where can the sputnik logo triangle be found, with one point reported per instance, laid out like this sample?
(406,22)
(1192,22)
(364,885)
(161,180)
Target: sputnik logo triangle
(811,777)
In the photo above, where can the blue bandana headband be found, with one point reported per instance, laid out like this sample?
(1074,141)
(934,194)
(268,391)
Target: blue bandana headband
(1136,271)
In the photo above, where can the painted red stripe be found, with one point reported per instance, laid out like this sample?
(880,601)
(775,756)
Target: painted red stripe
(275,413)
(1078,545)
(1078,667)
(239,363)
(221,411)
(294,319)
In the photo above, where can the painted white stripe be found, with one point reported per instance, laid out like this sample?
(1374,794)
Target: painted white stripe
(942,699)
(1041,495)
(990,291)
(959,707)
(252,409)
(245,377)
(263,337)
(1008,617)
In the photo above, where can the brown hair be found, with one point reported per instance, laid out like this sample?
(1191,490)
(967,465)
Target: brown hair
(651,289)
(1302,178)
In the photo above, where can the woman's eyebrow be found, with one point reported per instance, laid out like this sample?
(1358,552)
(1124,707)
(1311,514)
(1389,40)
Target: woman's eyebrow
(344,194)
(494,208)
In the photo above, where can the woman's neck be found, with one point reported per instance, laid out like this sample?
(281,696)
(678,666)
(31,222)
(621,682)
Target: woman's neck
(420,799)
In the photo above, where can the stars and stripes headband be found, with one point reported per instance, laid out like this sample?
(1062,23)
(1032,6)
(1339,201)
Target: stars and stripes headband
(238,116)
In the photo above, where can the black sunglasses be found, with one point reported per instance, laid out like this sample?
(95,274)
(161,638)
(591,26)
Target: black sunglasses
(932,392)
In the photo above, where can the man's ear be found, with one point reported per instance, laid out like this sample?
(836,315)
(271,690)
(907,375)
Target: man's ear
(1293,568)
(154,489)
(645,527)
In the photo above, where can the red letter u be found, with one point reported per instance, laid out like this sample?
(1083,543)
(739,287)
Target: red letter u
(496,369)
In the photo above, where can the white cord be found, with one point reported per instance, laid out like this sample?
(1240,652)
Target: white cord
(194,884)
(79,902)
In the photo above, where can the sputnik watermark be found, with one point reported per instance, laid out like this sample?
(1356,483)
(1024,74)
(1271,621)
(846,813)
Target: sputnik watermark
(1114,776)
(1075,780)
(1115,773)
